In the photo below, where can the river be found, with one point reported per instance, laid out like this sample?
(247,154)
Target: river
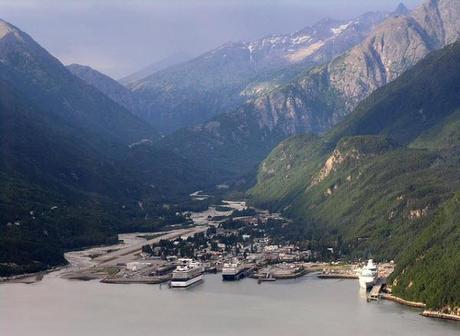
(56,306)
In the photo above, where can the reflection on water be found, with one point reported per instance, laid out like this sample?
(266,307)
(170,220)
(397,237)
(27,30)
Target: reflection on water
(295,307)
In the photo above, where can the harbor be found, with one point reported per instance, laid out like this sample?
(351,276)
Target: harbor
(56,306)
(227,242)
(229,239)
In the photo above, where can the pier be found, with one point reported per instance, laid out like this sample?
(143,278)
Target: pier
(374,294)
(338,276)
(280,272)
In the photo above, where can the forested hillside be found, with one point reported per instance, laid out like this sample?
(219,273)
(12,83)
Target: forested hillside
(387,174)
(76,168)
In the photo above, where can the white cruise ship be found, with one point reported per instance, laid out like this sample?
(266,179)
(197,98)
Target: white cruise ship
(234,270)
(368,275)
(187,273)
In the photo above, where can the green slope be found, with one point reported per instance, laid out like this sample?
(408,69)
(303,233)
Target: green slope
(382,176)
(75,168)
(430,270)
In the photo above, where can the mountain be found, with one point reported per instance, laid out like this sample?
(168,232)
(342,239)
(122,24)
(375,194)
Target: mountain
(401,10)
(37,74)
(433,278)
(155,67)
(320,97)
(110,87)
(224,78)
(76,167)
(317,100)
(384,182)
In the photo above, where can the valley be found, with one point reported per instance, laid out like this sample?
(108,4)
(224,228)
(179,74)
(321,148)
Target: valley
(288,158)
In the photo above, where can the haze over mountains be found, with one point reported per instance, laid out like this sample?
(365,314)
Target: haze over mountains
(320,97)
(369,108)
(222,79)
(111,88)
(170,61)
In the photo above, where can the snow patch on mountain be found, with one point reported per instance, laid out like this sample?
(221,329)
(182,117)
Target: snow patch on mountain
(301,39)
(340,29)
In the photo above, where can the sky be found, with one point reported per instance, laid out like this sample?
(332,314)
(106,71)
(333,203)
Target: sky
(119,37)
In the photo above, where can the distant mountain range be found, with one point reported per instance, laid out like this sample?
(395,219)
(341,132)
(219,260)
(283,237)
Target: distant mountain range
(167,62)
(320,97)
(280,85)
(224,78)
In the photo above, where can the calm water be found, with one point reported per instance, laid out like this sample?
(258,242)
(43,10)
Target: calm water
(305,306)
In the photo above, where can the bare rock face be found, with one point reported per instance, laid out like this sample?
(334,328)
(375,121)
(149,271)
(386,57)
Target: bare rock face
(322,97)
(336,159)
(439,19)
(393,48)
(418,213)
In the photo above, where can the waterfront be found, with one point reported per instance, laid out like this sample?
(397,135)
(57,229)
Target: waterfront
(59,306)
(307,305)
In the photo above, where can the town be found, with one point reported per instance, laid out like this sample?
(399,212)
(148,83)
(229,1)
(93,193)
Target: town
(229,238)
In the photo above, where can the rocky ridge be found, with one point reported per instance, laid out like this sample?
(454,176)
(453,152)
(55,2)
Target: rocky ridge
(323,96)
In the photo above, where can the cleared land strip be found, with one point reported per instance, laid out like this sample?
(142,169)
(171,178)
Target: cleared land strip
(127,254)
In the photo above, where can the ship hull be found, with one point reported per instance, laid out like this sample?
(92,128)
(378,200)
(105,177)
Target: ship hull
(366,282)
(186,283)
(234,277)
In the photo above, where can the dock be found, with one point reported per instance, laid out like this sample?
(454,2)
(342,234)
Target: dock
(337,276)
(374,294)
(282,271)
(137,280)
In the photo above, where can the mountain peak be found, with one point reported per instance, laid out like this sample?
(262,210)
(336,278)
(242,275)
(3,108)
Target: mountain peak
(7,28)
(401,10)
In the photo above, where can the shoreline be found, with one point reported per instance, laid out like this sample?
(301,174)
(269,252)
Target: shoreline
(96,267)
(30,278)
(439,315)
(420,305)
(412,304)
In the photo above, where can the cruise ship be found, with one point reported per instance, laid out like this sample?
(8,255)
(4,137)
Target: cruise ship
(187,273)
(234,270)
(368,275)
